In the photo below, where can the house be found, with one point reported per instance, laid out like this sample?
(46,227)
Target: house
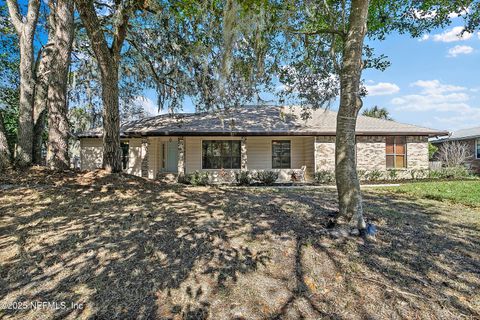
(471,137)
(257,138)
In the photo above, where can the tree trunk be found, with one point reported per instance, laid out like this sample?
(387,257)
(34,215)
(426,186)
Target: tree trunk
(58,128)
(112,155)
(108,59)
(348,185)
(40,101)
(4,150)
(25,27)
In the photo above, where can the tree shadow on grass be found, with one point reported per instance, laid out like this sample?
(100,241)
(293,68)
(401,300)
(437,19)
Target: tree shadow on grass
(130,248)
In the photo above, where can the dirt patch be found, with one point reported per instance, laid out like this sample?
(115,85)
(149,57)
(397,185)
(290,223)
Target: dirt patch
(125,247)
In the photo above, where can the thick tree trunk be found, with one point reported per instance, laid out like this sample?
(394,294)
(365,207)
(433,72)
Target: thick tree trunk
(4,150)
(348,186)
(25,27)
(112,155)
(40,102)
(108,61)
(58,128)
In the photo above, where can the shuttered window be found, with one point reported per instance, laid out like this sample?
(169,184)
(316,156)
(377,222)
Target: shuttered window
(396,152)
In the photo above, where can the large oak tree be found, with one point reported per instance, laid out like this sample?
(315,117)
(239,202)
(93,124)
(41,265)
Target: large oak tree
(108,59)
(25,28)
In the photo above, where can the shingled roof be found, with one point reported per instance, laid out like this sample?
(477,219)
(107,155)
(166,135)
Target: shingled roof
(463,134)
(258,121)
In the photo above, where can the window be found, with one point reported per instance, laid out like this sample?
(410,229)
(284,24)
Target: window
(124,146)
(221,154)
(477,148)
(396,151)
(281,154)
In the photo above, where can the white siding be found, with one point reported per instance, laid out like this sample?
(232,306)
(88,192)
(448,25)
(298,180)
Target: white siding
(91,153)
(259,153)
(193,151)
(134,156)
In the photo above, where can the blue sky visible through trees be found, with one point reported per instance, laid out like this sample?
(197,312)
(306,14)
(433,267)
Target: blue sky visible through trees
(432,81)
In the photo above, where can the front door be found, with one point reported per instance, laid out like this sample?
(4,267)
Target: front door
(172,156)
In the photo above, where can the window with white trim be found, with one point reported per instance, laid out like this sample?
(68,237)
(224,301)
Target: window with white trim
(221,154)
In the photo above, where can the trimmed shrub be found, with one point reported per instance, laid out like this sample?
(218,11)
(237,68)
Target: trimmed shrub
(324,177)
(266,177)
(196,178)
(243,178)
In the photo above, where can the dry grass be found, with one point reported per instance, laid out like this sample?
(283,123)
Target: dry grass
(129,248)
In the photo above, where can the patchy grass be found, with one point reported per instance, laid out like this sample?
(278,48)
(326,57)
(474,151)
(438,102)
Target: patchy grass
(129,248)
(463,192)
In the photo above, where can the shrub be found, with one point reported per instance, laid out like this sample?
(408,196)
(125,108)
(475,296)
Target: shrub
(457,172)
(374,175)
(243,178)
(418,174)
(422,173)
(324,176)
(434,174)
(362,174)
(196,178)
(266,177)
(393,174)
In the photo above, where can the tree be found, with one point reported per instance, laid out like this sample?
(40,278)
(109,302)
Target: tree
(9,86)
(4,149)
(61,17)
(454,153)
(377,112)
(348,185)
(108,58)
(330,49)
(25,28)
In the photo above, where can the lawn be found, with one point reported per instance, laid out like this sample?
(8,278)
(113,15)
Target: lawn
(464,192)
(123,247)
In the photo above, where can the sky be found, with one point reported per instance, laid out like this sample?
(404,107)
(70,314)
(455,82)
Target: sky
(433,81)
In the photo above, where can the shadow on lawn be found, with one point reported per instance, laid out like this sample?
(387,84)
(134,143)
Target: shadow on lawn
(125,248)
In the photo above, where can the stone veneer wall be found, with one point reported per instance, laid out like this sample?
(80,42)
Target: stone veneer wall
(324,153)
(417,152)
(371,153)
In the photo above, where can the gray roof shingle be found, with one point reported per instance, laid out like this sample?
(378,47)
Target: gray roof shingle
(462,134)
(258,120)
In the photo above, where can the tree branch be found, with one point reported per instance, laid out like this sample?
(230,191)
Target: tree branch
(95,33)
(158,79)
(15,15)
(32,13)
(120,30)
(318,31)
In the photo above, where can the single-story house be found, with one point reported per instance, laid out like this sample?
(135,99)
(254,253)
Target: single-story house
(257,138)
(471,137)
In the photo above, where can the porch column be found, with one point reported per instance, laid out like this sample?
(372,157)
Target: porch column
(243,153)
(144,164)
(181,156)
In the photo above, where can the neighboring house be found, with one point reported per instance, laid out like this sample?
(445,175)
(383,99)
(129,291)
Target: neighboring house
(257,138)
(471,137)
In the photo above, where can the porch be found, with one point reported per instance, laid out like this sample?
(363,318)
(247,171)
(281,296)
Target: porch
(226,155)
